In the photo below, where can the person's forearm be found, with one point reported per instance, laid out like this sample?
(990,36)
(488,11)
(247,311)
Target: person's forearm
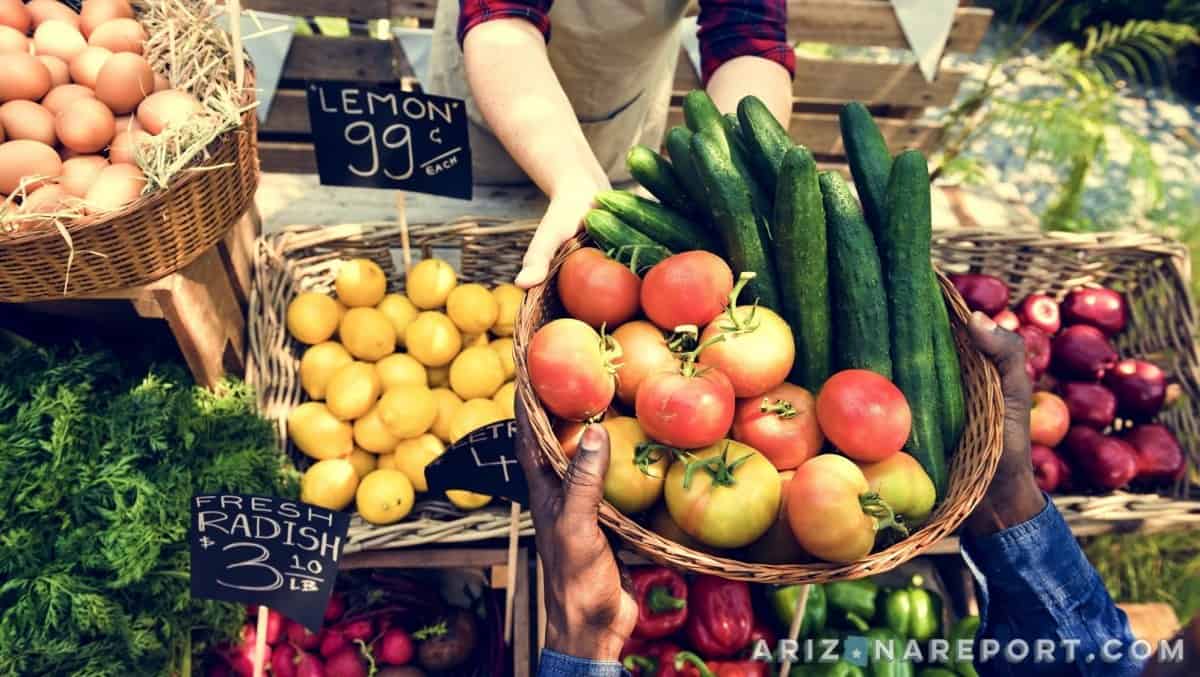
(761,77)
(525,106)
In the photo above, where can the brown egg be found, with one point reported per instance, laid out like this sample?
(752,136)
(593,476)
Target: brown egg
(58,38)
(95,12)
(48,199)
(12,40)
(124,146)
(161,82)
(24,77)
(115,187)
(41,11)
(14,15)
(60,72)
(1,132)
(170,106)
(28,120)
(124,82)
(128,123)
(85,126)
(80,172)
(60,96)
(24,158)
(119,35)
(85,67)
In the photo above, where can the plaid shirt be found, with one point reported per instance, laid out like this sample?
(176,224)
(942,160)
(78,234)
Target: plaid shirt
(728,28)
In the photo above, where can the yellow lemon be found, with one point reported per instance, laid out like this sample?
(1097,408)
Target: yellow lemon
(371,434)
(400,368)
(504,350)
(352,390)
(472,415)
(400,311)
(384,497)
(386,462)
(312,317)
(467,500)
(413,455)
(407,410)
(471,341)
(429,283)
(472,308)
(318,433)
(318,366)
(506,397)
(360,283)
(476,372)
(439,377)
(367,334)
(447,404)
(508,301)
(329,484)
(364,462)
(433,339)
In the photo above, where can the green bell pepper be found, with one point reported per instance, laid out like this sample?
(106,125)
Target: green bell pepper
(880,665)
(783,601)
(965,629)
(838,669)
(851,601)
(912,612)
(936,672)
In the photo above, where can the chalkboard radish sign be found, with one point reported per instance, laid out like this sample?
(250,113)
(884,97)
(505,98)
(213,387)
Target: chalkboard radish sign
(269,551)
(485,461)
(382,137)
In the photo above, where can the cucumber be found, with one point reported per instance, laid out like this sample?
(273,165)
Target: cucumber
(856,297)
(870,161)
(765,138)
(657,222)
(904,253)
(655,173)
(701,115)
(679,147)
(949,371)
(729,199)
(801,259)
(740,155)
(622,242)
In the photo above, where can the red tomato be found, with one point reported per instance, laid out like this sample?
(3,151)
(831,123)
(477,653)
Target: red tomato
(828,513)
(571,370)
(570,432)
(757,352)
(686,408)
(782,425)
(644,351)
(688,288)
(596,289)
(863,414)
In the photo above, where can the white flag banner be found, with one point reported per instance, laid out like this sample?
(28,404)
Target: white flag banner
(267,39)
(689,30)
(926,25)
(417,44)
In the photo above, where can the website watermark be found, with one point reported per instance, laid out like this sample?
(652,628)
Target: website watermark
(861,651)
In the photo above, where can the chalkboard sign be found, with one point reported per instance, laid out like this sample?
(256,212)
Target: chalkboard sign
(264,550)
(485,461)
(382,137)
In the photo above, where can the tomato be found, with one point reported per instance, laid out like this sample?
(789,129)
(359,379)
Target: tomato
(570,432)
(832,512)
(571,370)
(782,425)
(758,359)
(596,289)
(634,481)
(643,351)
(725,495)
(685,407)
(779,545)
(688,288)
(900,480)
(863,414)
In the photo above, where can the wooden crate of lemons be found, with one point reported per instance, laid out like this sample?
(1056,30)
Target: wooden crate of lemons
(393,379)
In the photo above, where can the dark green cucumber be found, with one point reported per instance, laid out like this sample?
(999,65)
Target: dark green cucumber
(739,153)
(801,260)
(679,147)
(701,115)
(765,138)
(657,175)
(622,242)
(870,161)
(856,297)
(728,198)
(949,371)
(657,222)
(904,244)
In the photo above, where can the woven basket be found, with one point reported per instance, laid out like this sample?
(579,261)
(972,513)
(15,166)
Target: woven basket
(305,258)
(971,467)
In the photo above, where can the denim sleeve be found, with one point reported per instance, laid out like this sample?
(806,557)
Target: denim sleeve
(554,664)
(1040,592)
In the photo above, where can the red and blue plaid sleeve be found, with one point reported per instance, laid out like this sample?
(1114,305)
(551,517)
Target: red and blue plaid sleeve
(475,12)
(733,28)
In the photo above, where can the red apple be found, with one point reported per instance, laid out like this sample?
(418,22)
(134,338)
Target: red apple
(1082,352)
(1101,308)
(1160,459)
(985,293)
(1037,351)
(1046,467)
(1140,388)
(1040,311)
(1106,462)
(1049,419)
(1007,319)
(1090,404)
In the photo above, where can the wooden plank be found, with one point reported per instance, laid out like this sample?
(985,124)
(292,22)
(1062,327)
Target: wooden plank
(868,22)
(287,157)
(353,9)
(425,559)
(289,114)
(314,57)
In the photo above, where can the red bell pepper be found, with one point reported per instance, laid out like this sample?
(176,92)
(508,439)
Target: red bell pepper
(657,659)
(720,616)
(721,669)
(661,596)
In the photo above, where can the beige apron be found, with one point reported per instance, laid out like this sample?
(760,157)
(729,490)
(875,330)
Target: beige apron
(615,60)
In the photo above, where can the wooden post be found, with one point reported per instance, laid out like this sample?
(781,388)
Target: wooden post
(794,631)
(234,8)
(260,642)
(402,218)
(510,593)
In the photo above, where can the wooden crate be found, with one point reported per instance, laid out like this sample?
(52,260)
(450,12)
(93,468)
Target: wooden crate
(896,93)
